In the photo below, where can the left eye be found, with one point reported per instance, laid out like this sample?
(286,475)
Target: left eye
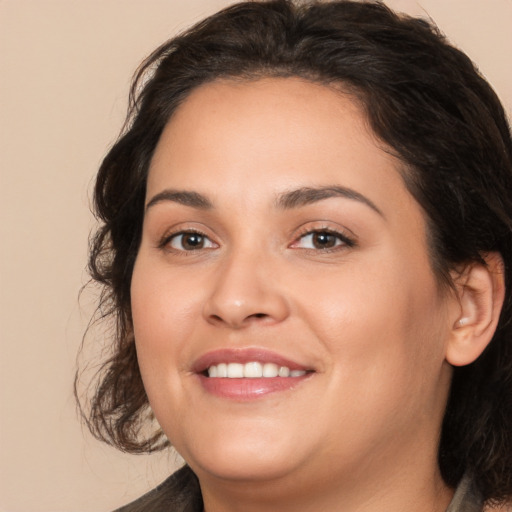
(320,240)
(190,241)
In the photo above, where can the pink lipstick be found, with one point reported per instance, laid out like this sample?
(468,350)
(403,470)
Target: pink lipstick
(246,374)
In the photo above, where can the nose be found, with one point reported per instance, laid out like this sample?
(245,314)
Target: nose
(245,292)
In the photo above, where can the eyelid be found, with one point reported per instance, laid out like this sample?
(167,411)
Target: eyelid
(164,242)
(347,238)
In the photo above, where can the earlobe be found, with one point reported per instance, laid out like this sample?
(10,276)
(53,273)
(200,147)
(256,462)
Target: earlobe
(480,293)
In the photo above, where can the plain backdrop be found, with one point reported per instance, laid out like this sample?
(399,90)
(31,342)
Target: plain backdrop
(65,70)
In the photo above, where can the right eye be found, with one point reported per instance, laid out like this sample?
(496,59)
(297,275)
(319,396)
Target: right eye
(189,241)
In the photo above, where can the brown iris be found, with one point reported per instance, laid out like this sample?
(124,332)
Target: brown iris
(323,240)
(192,241)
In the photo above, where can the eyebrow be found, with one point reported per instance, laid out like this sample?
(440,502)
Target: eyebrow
(308,195)
(184,197)
(288,200)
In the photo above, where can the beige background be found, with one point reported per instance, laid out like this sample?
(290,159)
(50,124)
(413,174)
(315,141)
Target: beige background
(65,67)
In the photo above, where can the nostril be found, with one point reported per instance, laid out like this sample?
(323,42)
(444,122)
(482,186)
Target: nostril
(257,308)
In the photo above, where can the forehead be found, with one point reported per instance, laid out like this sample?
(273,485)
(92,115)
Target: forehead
(266,134)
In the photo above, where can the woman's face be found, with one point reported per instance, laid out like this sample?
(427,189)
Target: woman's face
(279,238)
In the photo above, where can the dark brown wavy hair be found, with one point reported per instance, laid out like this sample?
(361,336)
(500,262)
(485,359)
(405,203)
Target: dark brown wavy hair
(423,98)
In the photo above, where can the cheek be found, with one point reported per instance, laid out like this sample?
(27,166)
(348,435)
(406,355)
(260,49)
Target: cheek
(165,316)
(164,312)
(381,323)
(160,302)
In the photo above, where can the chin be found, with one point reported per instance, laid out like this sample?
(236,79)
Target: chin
(234,456)
(242,468)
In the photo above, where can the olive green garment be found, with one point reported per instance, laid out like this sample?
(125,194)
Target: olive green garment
(181,493)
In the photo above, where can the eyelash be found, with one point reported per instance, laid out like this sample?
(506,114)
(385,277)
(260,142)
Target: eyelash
(166,241)
(345,241)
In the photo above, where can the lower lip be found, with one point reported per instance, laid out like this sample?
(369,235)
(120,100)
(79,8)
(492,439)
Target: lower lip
(249,389)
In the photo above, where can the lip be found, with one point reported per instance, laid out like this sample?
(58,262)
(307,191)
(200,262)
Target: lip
(247,389)
(244,355)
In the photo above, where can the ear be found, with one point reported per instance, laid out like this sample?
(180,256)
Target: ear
(480,290)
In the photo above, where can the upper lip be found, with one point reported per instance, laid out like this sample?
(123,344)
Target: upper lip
(244,355)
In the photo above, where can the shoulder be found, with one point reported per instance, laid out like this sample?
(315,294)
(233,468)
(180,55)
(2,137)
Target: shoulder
(179,493)
(466,498)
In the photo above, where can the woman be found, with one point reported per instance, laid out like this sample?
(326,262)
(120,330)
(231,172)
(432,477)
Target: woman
(306,243)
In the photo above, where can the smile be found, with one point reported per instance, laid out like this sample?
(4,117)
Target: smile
(252,370)
(247,374)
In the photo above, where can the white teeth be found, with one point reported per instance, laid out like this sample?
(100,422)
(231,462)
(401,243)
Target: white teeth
(235,370)
(270,370)
(284,371)
(252,370)
(222,370)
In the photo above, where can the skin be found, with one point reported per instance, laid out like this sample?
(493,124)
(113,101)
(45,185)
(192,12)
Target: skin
(367,316)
